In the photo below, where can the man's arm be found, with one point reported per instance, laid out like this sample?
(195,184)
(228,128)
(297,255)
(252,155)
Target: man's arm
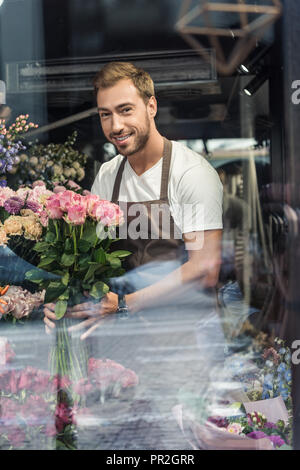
(202,268)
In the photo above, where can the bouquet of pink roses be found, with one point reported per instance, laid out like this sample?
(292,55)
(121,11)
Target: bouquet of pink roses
(76,246)
(71,235)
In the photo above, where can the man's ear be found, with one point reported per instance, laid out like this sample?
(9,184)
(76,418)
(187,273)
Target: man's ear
(152,106)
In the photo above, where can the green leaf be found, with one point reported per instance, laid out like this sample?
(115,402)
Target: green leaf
(68,246)
(100,256)
(99,289)
(41,246)
(120,253)
(89,234)
(68,260)
(65,295)
(45,262)
(84,246)
(113,261)
(53,291)
(65,279)
(83,260)
(50,237)
(90,273)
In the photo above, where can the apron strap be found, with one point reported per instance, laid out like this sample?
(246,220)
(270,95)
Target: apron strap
(116,190)
(167,152)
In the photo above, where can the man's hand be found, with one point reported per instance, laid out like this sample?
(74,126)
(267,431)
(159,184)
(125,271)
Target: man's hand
(91,312)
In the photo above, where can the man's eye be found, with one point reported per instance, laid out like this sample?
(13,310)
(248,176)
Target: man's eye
(126,110)
(104,115)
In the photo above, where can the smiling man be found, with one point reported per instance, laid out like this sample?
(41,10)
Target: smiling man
(155,181)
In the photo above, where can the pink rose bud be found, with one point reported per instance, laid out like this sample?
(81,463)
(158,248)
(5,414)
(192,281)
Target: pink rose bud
(59,189)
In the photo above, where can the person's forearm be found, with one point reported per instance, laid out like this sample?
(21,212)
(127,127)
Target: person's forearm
(171,287)
(202,268)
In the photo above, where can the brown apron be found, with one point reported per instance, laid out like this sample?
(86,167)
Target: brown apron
(156,237)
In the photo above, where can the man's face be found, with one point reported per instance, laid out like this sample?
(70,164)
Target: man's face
(124,116)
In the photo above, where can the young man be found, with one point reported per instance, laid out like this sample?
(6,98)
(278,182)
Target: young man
(153,175)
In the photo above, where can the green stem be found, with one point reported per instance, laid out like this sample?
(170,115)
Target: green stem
(75,246)
(56,229)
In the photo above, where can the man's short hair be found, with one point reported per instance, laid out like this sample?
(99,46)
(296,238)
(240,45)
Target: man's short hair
(112,72)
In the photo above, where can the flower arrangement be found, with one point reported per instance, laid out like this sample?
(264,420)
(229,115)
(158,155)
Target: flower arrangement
(274,377)
(10,147)
(70,236)
(18,303)
(52,162)
(255,426)
(76,247)
(264,408)
(37,411)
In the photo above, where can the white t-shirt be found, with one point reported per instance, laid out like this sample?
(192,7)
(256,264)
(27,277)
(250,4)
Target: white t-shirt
(195,191)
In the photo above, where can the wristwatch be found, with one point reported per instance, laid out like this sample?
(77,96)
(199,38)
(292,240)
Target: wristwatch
(122,310)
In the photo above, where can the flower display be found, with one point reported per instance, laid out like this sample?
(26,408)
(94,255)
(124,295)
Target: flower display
(19,302)
(32,416)
(254,426)
(10,147)
(50,163)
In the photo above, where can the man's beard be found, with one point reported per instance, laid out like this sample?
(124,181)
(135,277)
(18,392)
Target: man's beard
(140,141)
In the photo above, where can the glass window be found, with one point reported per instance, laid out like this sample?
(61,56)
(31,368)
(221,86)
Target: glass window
(115,331)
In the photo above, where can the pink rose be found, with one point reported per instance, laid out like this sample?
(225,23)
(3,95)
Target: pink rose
(108,213)
(35,410)
(92,201)
(44,219)
(129,378)
(76,215)
(6,193)
(40,194)
(83,387)
(63,416)
(73,185)
(59,189)
(68,199)
(53,207)
(38,183)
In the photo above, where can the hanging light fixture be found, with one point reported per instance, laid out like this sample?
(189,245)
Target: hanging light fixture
(254,85)
(245,36)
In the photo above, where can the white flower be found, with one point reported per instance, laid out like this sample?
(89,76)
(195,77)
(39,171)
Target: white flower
(57,170)
(33,161)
